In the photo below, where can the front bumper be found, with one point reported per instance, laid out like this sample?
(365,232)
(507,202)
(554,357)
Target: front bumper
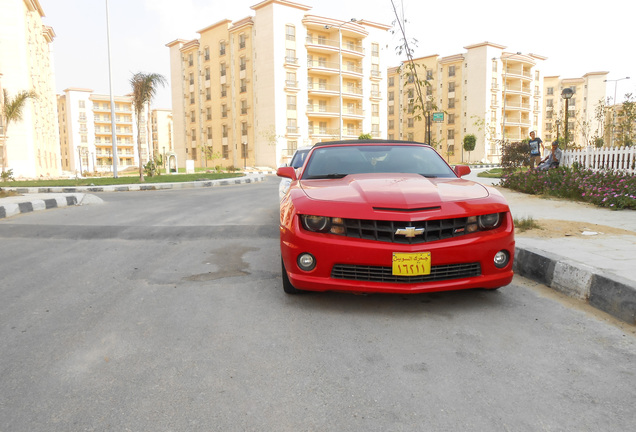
(471,251)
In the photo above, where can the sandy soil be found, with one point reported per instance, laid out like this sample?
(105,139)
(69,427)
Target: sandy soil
(551,228)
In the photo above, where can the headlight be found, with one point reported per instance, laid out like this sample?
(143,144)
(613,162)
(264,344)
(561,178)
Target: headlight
(323,224)
(483,222)
(488,221)
(316,223)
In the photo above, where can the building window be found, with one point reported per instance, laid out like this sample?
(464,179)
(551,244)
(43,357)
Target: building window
(451,87)
(391,109)
(82,104)
(191,78)
(391,81)
(222,48)
(391,124)
(193,135)
(451,71)
(409,122)
(208,94)
(222,69)
(224,130)
(226,152)
(224,111)
(242,39)
(550,91)
(243,85)
(494,65)
(290,56)
(223,90)
(451,134)
(243,128)
(207,74)
(292,127)
(191,98)
(190,59)
(209,133)
(451,118)
(192,117)
(208,113)
(243,107)
(451,103)
(243,63)
(291,102)
(290,32)
(207,53)
(375,110)
(375,49)
(429,74)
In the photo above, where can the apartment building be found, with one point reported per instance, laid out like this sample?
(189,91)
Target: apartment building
(30,147)
(249,92)
(86,132)
(584,124)
(162,139)
(485,91)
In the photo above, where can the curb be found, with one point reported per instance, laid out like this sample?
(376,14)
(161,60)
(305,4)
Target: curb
(30,204)
(610,293)
(252,178)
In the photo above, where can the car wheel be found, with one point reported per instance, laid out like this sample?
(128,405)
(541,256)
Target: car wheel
(287,286)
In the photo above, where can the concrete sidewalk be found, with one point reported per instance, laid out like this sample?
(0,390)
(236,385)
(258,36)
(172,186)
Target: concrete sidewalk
(594,266)
(599,268)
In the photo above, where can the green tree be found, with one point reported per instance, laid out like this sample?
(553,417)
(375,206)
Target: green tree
(470,141)
(365,136)
(12,110)
(627,120)
(144,90)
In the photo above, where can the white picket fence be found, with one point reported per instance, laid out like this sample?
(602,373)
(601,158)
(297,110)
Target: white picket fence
(609,158)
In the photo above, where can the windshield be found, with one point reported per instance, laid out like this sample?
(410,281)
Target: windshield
(299,158)
(340,161)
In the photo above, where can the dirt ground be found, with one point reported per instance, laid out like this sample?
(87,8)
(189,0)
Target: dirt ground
(551,228)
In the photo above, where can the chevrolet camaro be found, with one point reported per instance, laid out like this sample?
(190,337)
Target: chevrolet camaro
(377,216)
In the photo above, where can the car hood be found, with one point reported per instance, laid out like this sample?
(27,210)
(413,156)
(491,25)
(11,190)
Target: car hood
(405,191)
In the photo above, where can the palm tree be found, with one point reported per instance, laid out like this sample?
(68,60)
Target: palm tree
(144,89)
(12,112)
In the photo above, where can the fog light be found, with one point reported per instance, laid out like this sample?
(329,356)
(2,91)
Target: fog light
(501,259)
(306,262)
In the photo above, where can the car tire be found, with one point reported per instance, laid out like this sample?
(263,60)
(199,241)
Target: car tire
(287,286)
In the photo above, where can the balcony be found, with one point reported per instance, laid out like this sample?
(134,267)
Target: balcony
(323,66)
(323,110)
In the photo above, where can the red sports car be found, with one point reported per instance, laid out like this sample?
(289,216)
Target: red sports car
(371,216)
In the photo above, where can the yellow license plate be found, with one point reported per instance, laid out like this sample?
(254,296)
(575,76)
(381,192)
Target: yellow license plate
(411,264)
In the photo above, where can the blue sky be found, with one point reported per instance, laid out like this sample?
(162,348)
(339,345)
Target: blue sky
(596,39)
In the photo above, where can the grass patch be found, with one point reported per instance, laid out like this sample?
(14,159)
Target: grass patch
(526,224)
(492,173)
(109,181)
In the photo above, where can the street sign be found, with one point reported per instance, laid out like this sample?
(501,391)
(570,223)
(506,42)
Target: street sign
(438,117)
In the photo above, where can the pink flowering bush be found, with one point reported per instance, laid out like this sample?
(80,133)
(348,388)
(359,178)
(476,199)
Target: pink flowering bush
(615,190)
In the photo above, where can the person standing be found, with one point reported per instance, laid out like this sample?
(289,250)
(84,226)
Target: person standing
(536,147)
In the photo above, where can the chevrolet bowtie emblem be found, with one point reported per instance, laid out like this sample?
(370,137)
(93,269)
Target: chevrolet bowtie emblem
(409,231)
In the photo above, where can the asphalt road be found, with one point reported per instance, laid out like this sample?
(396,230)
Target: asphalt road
(164,311)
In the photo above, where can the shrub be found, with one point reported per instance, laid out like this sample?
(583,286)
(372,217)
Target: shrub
(514,155)
(615,190)
(7,175)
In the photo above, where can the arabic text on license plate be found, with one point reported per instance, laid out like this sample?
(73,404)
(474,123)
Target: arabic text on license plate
(411,264)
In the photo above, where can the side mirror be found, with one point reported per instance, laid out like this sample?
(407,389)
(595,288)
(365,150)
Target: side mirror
(288,172)
(462,170)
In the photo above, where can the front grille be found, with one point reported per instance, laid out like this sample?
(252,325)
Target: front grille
(386,230)
(383,274)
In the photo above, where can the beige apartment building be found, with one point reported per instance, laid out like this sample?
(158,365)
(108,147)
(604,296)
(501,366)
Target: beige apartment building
(86,132)
(30,147)
(486,91)
(162,137)
(249,92)
(588,93)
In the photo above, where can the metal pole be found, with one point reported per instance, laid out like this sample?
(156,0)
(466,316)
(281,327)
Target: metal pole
(567,107)
(340,74)
(112,100)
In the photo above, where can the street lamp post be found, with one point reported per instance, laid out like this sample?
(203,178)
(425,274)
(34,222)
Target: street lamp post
(614,101)
(112,100)
(566,94)
(339,27)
